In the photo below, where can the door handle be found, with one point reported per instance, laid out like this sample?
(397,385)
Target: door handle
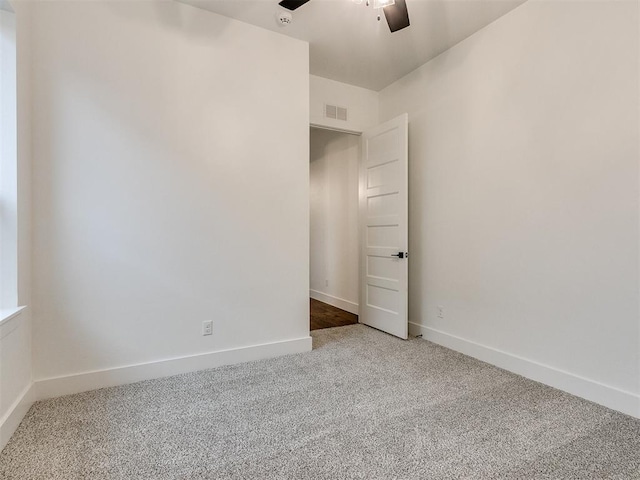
(399,254)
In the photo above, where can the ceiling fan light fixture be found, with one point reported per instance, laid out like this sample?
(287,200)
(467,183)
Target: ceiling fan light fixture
(383,3)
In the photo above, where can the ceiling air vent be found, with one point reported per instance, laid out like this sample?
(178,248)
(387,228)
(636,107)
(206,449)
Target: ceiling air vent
(336,113)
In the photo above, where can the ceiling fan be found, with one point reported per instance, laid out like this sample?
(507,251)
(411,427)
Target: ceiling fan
(394,11)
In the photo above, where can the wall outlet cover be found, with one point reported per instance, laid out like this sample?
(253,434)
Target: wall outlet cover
(207,327)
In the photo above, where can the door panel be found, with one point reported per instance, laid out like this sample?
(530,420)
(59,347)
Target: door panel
(384,227)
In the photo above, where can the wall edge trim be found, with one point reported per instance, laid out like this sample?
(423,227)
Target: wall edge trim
(337,302)
(82,382)
(11,420)
(588,389)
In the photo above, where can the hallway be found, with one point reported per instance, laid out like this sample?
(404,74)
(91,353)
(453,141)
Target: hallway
(324,315)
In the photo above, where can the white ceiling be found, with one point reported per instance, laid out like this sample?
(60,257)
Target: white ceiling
(348,44)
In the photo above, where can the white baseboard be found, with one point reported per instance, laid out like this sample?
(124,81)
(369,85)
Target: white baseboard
(9,423)
(66,385)
(611,397)
(341,303)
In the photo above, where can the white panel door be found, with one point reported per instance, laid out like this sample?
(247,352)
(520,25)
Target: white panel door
(384,227)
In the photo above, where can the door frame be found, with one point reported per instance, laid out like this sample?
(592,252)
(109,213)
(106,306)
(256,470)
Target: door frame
(354,133)
(360,247)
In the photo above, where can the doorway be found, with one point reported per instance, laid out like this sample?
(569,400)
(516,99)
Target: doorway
(334,243)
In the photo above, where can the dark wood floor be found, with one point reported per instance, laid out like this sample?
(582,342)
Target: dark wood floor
(326,316)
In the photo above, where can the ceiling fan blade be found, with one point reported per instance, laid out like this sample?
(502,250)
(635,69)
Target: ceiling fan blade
(292,4)
(397,15)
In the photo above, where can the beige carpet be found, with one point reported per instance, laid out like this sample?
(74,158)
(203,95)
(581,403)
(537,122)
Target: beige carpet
(362,405)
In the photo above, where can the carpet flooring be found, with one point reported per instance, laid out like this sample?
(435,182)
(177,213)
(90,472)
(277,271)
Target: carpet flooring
(362,405)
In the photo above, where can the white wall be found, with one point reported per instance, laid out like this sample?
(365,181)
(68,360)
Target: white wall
(15,333)
(524,196)
(334,218)
(168,190)
(362,104)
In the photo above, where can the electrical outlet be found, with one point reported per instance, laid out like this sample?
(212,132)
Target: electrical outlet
(207,327)
(326,283)
(440,311)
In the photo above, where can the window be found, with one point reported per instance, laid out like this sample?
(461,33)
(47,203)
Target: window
(8,161)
